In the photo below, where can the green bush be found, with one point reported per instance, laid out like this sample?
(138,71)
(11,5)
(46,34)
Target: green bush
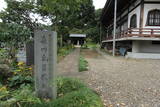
(4,73)
(83,64)
(20,79)
(24,95)
(3,55)
(4,93)
(22,74)
(63,51)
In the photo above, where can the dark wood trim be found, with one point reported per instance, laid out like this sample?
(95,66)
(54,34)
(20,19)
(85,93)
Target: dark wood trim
(108,3)
(107,9)
(151,2)
(127,8)
(129,11)
(142,14)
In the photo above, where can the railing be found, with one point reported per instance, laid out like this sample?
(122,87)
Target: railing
(137,32)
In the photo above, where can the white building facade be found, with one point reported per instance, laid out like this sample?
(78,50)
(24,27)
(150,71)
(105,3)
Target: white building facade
(137,28)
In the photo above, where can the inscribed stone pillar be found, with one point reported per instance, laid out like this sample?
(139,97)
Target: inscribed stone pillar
(45,54)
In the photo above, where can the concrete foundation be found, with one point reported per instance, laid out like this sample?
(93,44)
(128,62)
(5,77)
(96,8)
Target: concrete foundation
(144,50)
(143,55)
(145,47)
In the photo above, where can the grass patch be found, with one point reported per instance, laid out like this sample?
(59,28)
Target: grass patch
(83,64)
(90,45)
(67,85)
(81,98)
(71,93)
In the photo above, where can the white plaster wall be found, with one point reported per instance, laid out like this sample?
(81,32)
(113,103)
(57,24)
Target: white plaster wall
(125,27)
(143,55)
(147,8)
(145,47)
(137,12)
(135,47)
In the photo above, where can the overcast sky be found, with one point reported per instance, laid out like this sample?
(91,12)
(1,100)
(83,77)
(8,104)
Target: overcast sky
(2,4)
(97,3)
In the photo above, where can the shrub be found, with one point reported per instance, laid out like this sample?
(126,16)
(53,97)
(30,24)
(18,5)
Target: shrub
(21,75)
(22,96)
(63,51)
(4,72)
(3,55)
(25,95)
(4,93)
(83,64)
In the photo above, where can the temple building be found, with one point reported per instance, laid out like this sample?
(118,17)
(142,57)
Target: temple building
(133,28)
(77,39)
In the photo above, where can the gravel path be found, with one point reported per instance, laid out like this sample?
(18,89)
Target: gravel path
(121,82)
(125,82)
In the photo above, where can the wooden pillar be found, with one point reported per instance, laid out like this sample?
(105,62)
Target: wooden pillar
(107,32)
(141,15)
(100,33)
(115,21)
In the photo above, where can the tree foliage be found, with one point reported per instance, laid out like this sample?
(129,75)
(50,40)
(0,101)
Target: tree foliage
(17,26)
(70,16)
(67,16)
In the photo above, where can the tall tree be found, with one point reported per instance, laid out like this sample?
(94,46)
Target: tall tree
(17,15)
(17,25)
(69,16)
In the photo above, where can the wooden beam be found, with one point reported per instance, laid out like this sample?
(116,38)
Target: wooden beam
(100,33)
(142,14)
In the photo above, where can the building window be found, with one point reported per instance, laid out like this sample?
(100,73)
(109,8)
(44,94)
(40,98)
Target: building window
(133,22)
(153,18)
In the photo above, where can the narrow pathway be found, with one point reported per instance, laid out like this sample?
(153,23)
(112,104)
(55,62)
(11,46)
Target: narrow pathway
(69,65)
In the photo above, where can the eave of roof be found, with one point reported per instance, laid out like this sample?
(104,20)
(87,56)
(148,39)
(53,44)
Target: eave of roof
(108,10)
(77,35)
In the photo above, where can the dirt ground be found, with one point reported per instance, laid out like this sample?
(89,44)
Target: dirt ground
(120,82)
(69,65)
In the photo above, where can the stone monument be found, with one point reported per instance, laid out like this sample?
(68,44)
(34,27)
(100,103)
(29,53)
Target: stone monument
(45,60)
